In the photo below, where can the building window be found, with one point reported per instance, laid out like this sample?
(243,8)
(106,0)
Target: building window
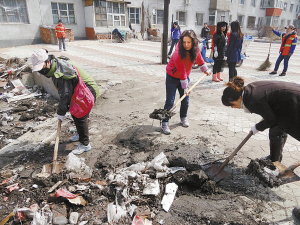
(13,11)
(251,22)
(240,18)
(291,7)
(109,14)
(134,15)
(199,19)
(158,16)
(230,18)
(284,7)
(211,17)
(288,22)
(260,21)
(181,17)
(63,11)
(253,3)
(297,8)
(265,3)
(282,23)
(241,2)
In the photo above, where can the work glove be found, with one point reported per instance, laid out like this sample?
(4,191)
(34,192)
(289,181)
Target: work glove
(254,130)
(184,84)
(60,117)
(216,54)
(225,58)
(290,54)
(186,92)
(208,72)
(204,67)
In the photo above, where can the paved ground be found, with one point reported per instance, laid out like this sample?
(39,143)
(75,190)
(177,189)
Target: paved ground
(140,61)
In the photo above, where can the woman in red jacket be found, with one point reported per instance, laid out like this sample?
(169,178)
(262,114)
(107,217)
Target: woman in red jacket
(178,70)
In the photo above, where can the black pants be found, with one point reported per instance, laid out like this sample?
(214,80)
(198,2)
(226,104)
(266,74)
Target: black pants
(232,70)
(174,42)
(277,139)
(218,64)
(82,124)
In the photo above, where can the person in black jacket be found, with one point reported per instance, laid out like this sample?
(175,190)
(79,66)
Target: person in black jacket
(204,34)
(65,78)
(276,101)
(219,40)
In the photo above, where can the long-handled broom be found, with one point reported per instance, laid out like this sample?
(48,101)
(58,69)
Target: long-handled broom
(266,64)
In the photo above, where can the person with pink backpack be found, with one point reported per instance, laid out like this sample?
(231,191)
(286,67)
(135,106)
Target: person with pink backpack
(77,91)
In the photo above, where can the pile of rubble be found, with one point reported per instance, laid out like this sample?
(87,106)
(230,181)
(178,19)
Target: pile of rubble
(130,195)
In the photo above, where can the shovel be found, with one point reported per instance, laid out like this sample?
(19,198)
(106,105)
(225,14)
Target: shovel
(161,114)
(286,174)
(217,173)
(54,167)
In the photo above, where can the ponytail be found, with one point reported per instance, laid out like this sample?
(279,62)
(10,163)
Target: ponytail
(233,91)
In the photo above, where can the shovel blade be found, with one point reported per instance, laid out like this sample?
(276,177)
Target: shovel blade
(215,174)
(52,168)
(288,176)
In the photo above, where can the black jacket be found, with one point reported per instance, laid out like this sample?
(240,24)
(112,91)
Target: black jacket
(204,32)
(219,42)
(277,102)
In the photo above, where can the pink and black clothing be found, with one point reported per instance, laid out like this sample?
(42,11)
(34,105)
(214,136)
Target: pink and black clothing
(178,70)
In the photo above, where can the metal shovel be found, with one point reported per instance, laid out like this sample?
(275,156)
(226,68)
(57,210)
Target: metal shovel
(286,174)
(161,114)
(53,167)
(217,173)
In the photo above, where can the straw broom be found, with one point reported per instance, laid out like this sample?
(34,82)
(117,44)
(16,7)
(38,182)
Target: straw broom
(266,64)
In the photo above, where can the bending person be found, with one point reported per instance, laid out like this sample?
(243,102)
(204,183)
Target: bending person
(64,74)
(178,70)
(277,102)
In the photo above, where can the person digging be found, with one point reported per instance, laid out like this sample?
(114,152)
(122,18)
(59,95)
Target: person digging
(276,101)
(287,48)
(72,83)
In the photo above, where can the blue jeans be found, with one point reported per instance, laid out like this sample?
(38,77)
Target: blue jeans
(174,42)
(61,41)
(285,62)
(172,84)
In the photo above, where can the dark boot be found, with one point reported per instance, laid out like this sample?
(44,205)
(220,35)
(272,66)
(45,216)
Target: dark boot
(296,213)
(276,147)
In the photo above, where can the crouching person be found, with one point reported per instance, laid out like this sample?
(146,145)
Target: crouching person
(72,83)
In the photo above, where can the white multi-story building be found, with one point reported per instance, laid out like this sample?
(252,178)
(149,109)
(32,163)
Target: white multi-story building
(20,20)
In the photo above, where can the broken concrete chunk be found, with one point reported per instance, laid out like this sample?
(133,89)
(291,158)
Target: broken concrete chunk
(73,217)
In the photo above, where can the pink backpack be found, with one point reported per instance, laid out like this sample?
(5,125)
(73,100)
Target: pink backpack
(82,100)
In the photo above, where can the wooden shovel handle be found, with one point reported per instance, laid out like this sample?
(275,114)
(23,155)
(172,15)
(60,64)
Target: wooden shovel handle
(235,151)
(56,141)
(272,34)
(190,89)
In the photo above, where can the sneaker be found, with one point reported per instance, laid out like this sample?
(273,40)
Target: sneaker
(75,137)
(273,72)
(184,122)
(282,74)
(169,56)
(81,148)
(60,50)
(65,49)
(165,128)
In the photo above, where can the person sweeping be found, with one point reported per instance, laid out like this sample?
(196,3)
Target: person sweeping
(287,48)
(276,101)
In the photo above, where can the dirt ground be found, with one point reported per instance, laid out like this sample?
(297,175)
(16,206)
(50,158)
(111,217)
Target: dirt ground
(122,134)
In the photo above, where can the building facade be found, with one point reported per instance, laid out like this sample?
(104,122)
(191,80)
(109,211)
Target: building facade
(20,20)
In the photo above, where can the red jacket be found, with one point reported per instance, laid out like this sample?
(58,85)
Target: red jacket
(60,31)
(181,68)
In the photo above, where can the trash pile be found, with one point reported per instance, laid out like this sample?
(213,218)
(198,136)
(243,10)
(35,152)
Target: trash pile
(12,89)
(130,195)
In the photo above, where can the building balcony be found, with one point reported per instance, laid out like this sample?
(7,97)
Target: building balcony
(273,11)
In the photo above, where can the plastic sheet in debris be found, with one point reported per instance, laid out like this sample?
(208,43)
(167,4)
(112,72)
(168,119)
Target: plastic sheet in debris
(159,162)
(151,187)
(77,165)
(115,213)
(169,196)
(43,216)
